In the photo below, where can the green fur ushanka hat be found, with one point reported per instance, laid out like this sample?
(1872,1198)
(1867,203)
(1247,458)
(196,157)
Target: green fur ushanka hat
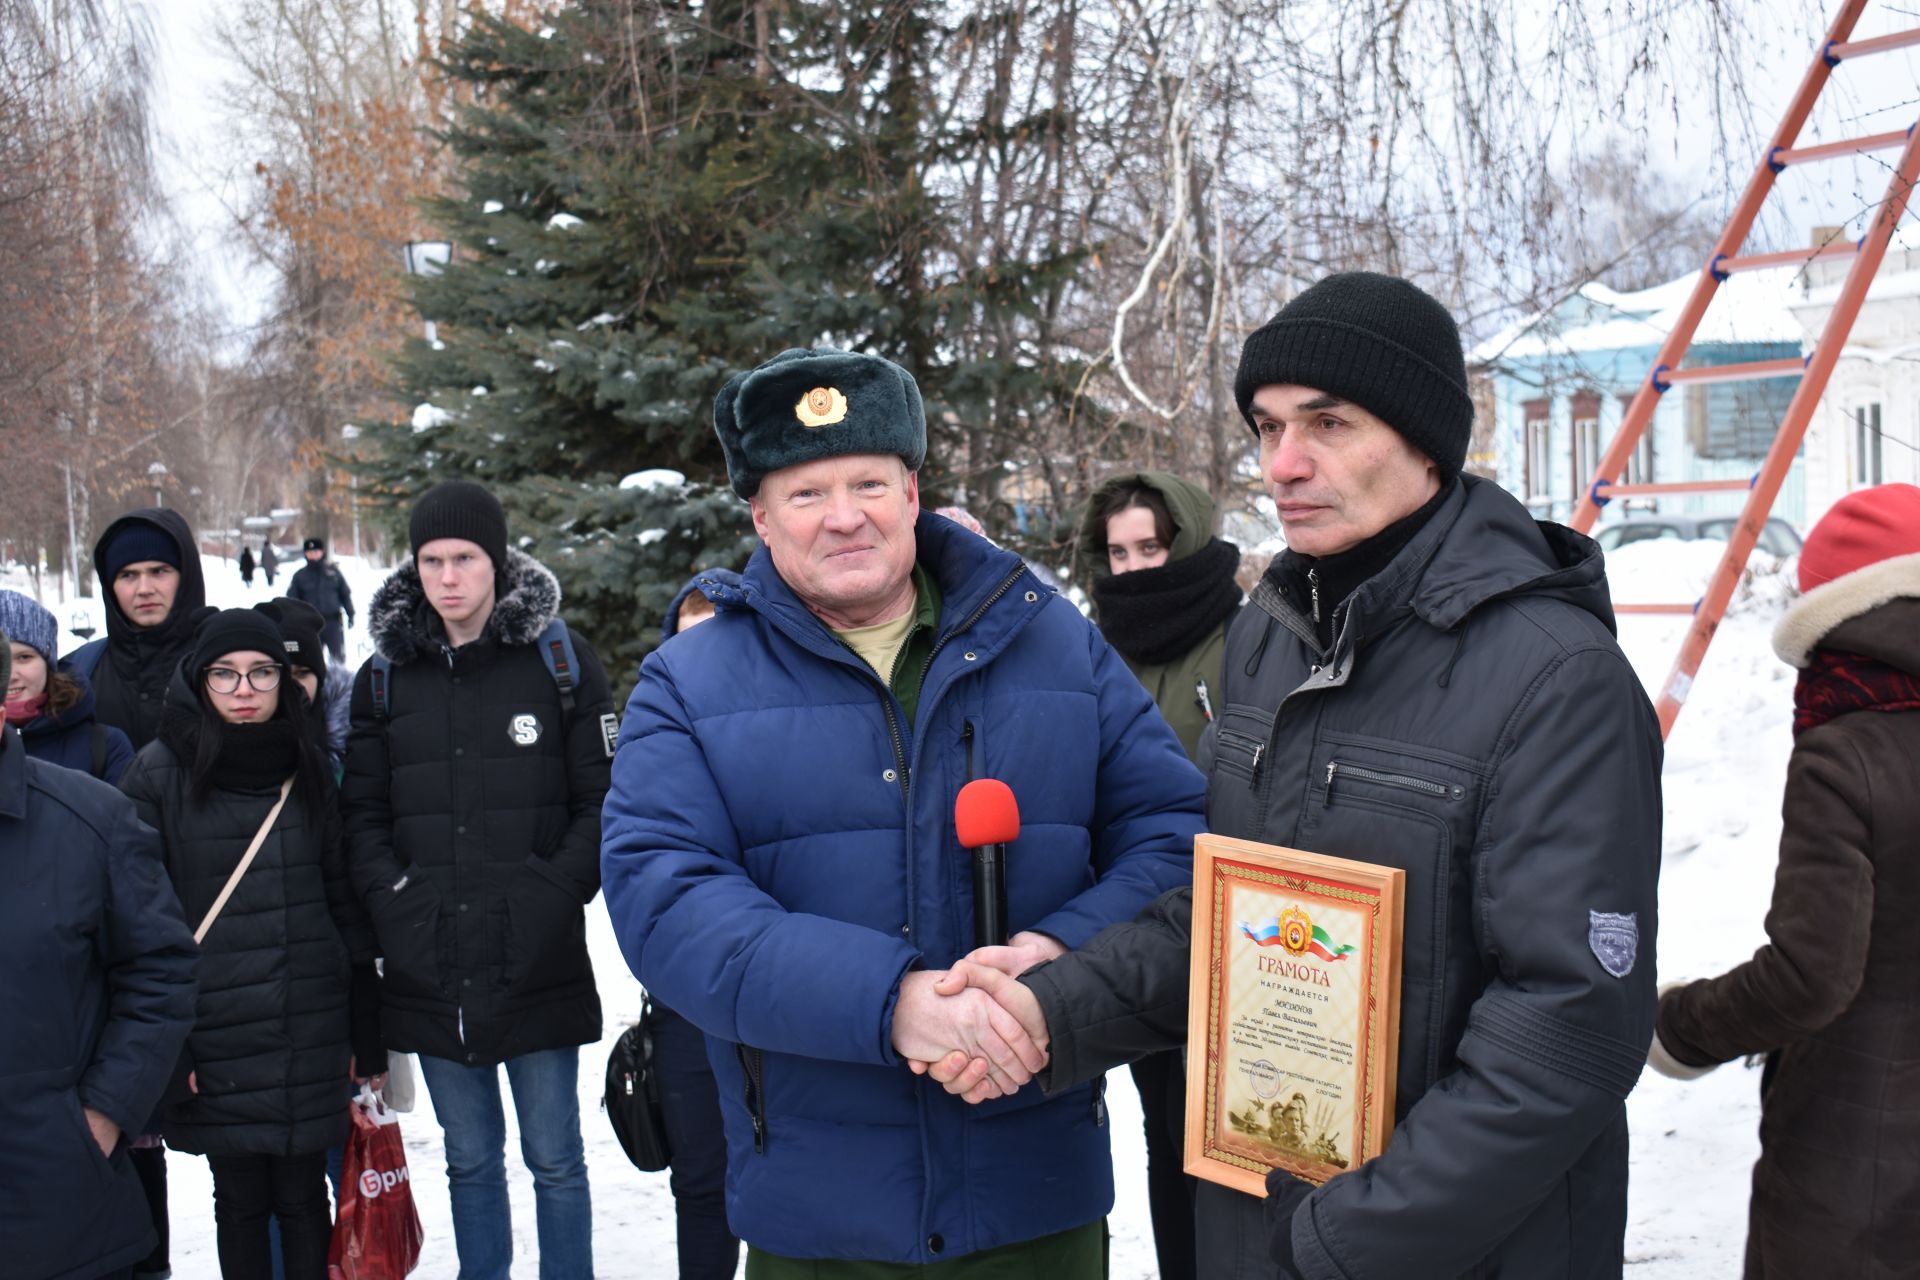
(804,405)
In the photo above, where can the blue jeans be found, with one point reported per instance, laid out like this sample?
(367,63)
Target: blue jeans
(546,1098)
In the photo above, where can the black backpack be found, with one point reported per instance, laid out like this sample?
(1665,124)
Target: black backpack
(632,1100)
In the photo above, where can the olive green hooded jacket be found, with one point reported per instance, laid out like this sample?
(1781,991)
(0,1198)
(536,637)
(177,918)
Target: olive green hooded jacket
(1174,685)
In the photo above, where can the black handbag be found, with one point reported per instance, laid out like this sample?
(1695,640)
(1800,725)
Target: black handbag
(632,1101)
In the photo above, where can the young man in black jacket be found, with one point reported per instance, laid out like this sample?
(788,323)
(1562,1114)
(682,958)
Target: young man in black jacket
(476,766)
(1452,663)
(148,563)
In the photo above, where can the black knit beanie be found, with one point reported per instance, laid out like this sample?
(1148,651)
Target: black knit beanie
(1378,341)
(460,509)
(302,627)
(236,631)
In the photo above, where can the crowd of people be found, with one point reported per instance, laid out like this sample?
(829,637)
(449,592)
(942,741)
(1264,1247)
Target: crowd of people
(244,878)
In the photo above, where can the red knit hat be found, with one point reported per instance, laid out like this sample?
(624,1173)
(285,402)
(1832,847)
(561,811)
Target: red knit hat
(1861,529)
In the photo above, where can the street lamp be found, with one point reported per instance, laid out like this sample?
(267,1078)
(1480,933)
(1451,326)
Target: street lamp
(427,258)
(157,474)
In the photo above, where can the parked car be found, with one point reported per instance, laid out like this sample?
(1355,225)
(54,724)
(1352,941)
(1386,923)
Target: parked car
(1777,537)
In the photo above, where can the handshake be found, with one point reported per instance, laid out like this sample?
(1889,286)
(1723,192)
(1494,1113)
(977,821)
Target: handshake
(975,1029)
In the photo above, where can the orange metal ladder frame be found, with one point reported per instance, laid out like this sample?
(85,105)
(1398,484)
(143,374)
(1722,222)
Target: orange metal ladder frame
(1814,371)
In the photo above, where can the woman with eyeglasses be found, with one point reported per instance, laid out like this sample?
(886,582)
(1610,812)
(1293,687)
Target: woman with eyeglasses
(288,1006)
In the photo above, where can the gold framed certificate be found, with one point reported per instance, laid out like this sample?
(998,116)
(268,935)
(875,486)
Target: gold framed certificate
(1294,1026)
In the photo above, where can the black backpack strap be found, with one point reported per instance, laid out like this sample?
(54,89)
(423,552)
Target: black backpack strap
(556,651)
(98,736)
(379,676)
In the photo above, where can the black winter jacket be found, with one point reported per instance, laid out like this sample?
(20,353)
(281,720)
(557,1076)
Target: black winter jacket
(473,817)
(324,587)
(96,996)
(1476,725)
(130,667)
(271,1040)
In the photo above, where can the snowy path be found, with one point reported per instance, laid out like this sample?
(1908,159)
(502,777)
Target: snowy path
(1694,1144)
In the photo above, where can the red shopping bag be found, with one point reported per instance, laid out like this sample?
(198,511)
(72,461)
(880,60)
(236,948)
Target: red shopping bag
(377,1233)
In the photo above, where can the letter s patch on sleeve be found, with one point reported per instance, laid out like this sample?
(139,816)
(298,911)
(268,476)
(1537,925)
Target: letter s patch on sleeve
(610,732)
(1615,940)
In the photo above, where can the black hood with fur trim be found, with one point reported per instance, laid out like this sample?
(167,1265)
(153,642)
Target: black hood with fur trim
(403,625)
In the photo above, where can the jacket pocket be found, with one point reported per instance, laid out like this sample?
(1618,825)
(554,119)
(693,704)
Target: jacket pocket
(753,1069)
(407,925)
(99,1164)
(1237,782)
(546,932)
(1379,804)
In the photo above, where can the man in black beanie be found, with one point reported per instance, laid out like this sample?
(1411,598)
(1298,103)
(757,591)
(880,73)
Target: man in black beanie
(319,584)
(476,766)
(1427,679)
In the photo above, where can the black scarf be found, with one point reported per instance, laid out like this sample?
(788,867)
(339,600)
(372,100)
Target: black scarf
(253,757)
(1339,576)
(1155,615)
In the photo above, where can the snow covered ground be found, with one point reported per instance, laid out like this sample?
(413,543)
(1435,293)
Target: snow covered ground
(1694,1144)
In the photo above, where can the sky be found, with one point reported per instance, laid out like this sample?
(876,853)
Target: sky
(202,171)
(206,176)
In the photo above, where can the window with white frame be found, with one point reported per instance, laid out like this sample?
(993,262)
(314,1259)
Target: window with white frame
(1639,468)
(1866,445)
(1538,462)
(1584,408)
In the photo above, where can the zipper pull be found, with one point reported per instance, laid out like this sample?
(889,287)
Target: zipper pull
(1259,750)
(1333,767)
(1313,585)
(1200,697)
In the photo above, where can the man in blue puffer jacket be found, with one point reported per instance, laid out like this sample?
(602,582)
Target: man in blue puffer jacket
(781,866)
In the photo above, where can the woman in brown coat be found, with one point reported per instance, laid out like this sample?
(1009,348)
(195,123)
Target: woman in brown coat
(1833,998)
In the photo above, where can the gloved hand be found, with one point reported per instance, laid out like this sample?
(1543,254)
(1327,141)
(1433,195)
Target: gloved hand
(1285,1193)
(1661,1059)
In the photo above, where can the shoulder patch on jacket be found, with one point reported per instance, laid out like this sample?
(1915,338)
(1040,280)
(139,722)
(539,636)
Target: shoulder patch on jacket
(1615,940)
(610,732)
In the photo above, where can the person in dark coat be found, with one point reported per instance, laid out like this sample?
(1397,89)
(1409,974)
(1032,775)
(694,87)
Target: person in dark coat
(1428,679)
(689,1098)
(51,706)
(1830,998)
(327,686)
(246,566)
(473,811)
(320,584)
(269,562)
(782,864)
(148,563)
(96,996)
(288,1009)
(1164,592)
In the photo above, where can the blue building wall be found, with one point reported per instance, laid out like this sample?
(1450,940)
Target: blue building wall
(1558,377)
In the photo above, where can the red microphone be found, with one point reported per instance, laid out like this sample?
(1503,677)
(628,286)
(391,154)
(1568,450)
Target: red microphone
(988,820)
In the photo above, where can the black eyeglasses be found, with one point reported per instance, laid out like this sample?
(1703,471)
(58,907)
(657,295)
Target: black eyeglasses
(226,680)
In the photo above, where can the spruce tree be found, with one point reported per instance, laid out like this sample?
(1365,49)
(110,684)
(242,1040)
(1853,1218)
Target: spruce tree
(649,202)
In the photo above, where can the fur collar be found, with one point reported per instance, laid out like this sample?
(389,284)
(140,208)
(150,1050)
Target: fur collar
(403,626)
(1808,619)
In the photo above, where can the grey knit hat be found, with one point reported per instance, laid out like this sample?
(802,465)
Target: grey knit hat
(1378,341)
(804,405)
(24,619)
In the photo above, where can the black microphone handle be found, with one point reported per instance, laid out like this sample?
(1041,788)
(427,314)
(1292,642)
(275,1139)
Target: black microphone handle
(990,895)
